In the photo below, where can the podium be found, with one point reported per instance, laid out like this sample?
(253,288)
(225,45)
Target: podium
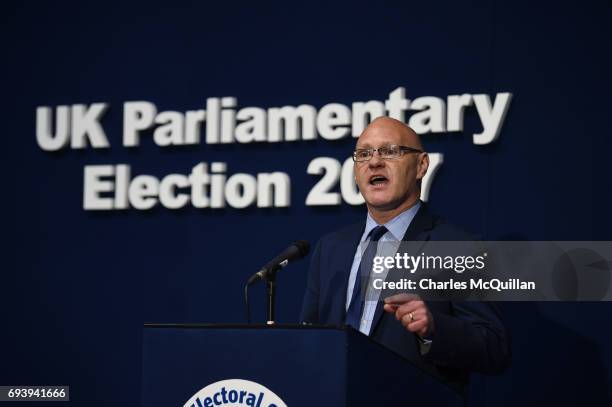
(303,365)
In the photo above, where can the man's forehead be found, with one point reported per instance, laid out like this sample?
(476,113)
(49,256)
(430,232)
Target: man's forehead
(374,137)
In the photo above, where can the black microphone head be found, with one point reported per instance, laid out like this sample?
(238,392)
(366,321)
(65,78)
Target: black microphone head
(303,247)
(295,251)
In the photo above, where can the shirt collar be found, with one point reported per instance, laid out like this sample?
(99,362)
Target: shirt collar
(396,226)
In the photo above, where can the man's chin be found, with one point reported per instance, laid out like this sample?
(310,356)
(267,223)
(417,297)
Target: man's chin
(381,204)
(385,204)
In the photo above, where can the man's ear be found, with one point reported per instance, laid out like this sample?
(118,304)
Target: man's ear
(422,166)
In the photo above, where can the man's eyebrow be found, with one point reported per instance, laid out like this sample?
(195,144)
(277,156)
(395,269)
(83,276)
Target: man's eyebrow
(363,146)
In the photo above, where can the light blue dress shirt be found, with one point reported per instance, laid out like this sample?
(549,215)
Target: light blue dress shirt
(397,228)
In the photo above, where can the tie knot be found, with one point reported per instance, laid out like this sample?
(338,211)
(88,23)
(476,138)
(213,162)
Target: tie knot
(377,233)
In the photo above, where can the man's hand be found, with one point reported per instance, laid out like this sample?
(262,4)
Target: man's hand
(412,312)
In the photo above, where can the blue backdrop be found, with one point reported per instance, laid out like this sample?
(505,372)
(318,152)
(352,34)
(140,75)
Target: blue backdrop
(78,285)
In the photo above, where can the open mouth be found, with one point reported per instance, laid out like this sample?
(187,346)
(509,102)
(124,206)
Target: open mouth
(378,180)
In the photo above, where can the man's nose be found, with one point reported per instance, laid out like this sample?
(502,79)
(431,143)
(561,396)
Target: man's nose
(376,160)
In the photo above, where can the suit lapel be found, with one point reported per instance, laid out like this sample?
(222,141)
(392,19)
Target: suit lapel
(418,230)
(344,255)
(423,221)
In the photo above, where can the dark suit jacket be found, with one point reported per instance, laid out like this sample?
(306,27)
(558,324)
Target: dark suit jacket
(469,336)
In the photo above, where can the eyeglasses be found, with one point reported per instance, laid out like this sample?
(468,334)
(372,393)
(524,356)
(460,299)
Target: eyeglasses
(386,152)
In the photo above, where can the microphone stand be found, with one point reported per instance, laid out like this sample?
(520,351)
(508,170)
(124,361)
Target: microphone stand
(297,250)
(270,278)
(271,285)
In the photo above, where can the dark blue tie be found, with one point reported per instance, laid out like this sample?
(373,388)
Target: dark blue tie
(353,315)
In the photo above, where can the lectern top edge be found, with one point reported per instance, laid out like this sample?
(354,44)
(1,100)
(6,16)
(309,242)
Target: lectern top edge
(242,326)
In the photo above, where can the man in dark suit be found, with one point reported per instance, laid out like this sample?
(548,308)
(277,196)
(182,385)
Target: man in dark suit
(449,339)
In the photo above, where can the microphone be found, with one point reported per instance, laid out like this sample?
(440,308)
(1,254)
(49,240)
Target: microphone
(296,251)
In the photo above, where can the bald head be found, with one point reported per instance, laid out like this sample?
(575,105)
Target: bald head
(386,125)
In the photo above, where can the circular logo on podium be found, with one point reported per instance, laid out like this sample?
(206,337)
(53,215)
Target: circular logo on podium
(235,393)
